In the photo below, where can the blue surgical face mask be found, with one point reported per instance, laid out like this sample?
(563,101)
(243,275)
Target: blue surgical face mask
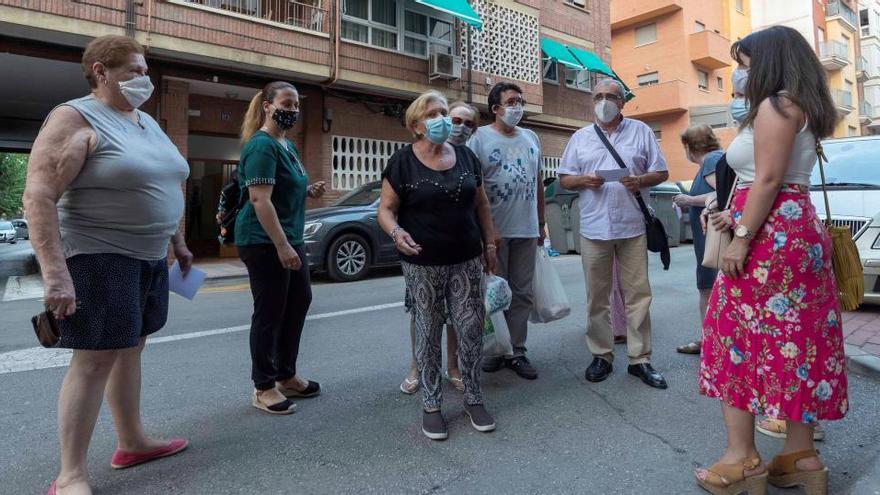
(437,129)
(739,109)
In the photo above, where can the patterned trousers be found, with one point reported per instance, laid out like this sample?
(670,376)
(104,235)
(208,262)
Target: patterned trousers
(432,290)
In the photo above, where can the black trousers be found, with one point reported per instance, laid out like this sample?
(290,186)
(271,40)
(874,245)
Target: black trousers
(281,300)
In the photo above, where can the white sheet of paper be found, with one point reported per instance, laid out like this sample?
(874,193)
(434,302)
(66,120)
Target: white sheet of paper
(613,175)
(185,286)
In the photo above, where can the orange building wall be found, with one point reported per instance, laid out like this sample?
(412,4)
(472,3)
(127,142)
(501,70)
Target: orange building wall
(670,57)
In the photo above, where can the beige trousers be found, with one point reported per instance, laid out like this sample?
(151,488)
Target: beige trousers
(598,260)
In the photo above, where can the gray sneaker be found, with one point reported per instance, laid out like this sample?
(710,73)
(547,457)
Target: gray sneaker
(434,425)
(481,420)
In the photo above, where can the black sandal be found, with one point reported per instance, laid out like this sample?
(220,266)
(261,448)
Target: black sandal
(284,407)
(313,389)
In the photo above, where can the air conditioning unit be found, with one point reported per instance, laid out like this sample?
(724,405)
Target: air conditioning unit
(444,66)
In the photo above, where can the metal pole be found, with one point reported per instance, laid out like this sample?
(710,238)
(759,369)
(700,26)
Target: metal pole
(470,87)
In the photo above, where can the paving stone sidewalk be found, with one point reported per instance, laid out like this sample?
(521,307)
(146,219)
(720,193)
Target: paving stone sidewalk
(862,332)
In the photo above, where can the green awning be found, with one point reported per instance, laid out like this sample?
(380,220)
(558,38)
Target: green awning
(590,61)
(593,63)
(458,8)
(557,51)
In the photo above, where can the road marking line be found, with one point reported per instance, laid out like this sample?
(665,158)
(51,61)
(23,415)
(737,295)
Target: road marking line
(38,358)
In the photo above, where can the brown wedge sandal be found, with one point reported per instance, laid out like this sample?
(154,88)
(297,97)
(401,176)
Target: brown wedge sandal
(784,473)
(730,479)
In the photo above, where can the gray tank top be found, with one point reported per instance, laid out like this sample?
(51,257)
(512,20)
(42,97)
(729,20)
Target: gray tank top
(127,199)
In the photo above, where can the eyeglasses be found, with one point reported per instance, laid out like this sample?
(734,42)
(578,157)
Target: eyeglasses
(607,96)
(466,123)
(512,102)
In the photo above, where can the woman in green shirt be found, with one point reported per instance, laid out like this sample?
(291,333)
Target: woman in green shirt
(269,236)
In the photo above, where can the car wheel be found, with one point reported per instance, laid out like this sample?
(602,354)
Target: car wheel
(348,258)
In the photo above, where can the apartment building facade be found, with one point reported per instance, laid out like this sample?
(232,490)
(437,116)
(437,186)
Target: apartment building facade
(868,71)
(357,64)
(832,26)
(675,55)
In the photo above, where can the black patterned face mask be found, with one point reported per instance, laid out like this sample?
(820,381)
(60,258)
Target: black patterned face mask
(285,118)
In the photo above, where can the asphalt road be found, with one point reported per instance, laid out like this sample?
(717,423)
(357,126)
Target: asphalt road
(557,434)
(20,247)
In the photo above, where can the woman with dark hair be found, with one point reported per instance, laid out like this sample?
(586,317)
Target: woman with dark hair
(269,236)
(772,339)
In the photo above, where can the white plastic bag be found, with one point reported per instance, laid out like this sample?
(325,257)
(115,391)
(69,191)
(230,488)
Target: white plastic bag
(496,336)
(551,302)
(497,295)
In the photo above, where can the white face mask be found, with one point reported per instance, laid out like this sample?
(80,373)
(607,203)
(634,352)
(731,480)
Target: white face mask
(460,133)
(137,91)
(512,115)
(606,111)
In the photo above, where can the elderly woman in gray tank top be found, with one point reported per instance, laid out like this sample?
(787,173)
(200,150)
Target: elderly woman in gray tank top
(103,198)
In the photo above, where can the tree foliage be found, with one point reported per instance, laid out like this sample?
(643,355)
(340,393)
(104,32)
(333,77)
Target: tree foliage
(13,170)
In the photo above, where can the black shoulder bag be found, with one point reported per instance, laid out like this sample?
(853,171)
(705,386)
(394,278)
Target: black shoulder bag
(658,241)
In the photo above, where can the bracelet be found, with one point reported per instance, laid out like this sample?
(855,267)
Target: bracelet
(396,230)
(491,246)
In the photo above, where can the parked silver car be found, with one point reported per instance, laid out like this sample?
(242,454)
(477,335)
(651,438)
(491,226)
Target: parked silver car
(7,232)
(853,178)
(21,228)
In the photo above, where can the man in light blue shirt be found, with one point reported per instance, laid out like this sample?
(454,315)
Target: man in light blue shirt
(612,225)
(511,163)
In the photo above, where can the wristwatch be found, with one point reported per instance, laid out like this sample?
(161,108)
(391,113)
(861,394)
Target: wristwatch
(743,232)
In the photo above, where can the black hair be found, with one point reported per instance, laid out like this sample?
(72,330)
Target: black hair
(495,94)
(782,61)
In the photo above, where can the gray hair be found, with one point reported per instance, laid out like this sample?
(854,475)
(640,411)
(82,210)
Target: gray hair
(613,82)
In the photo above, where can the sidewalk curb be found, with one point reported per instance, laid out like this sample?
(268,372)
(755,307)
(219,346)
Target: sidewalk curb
(861,362)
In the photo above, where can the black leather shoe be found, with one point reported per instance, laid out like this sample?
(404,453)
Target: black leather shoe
(598,371)
(493,364)
(647,374)
(522,367)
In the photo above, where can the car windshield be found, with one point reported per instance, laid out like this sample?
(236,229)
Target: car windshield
(362,196)
(5,225)
(851,164)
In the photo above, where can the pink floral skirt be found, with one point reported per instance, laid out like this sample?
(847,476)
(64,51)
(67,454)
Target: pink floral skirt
(772,339)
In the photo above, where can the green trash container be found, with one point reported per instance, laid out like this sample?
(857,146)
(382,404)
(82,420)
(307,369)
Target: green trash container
(661,202)
(559,206)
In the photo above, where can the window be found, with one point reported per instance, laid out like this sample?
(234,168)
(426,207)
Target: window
(658,130)
(399,25)
(646,34)
(703,80)
(551,71)
(582,4)
(820,34)
(852,131)
(648,79)
(720,81)
(578,79)
(699,27)
(740,6)
(845,39)
(714,116)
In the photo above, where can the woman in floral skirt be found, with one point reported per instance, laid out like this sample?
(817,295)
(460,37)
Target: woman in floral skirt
(772,340)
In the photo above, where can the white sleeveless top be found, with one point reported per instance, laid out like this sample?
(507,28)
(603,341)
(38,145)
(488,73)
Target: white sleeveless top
(741,157)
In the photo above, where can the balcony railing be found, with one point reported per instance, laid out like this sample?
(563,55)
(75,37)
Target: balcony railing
(311,15)
(833,54)
(835,8)
(843,99)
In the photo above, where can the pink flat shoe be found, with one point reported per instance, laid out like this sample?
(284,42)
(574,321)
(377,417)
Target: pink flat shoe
(51,489)
(122,459)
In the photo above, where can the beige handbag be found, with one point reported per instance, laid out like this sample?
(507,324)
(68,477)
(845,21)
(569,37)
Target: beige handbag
(717,240)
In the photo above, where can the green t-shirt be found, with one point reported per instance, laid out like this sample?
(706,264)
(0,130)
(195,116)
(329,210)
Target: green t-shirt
(265,161)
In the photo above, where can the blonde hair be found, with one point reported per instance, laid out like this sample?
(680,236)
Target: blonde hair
(417,109)
(111,50)
(700,139)
(460,104)
(255,115)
